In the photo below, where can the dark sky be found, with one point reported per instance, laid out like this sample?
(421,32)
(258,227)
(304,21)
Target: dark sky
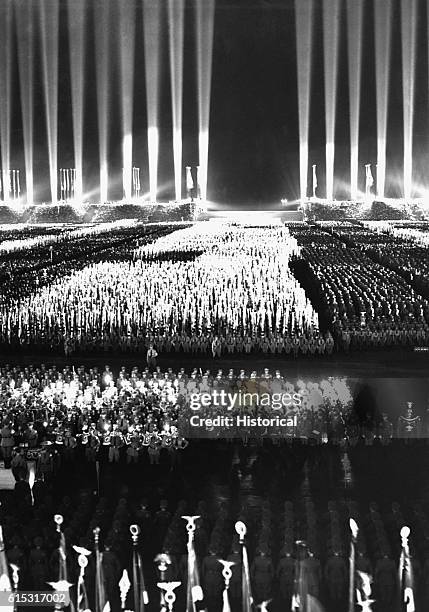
(253,157)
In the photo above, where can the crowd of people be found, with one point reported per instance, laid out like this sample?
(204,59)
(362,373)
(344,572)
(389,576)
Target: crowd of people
(239,290)
(50,258)
(405,251)
(297,545)
(215,288)
(51,415)
(417,233)
(366,304)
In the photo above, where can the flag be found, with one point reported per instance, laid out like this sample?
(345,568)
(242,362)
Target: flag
(62,566)
(82,596)
(5,584)
(194,592)
(101,603)
(189,179)
(246,586)
(140,594)
(62,558)
(226,607)
(363,591)
(406,573)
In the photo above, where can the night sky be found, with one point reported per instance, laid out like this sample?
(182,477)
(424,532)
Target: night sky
(253,156)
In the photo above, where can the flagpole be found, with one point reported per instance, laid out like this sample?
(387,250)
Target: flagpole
(81,591)
(163,561)
(81,594)
(62,572)
(62,585)
(99,587)
(227,574)
(355,530)
(246,590)
(407,593)
(297,596)
(193,591)
(139,589)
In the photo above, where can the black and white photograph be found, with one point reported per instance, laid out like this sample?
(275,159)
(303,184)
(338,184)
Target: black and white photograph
(214,305)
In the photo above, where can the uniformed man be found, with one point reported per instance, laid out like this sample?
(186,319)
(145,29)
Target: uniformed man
(212,579)
(154,448)
(7,443)
(45,465)
(262,573)
(92,446)
(385,579)
(69,446)
(311,573)
(19,465)
(286,573)
(151,356)
(216,347)
(116,443)
(336,577)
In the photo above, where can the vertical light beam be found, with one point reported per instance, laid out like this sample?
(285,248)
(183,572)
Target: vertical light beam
(331,26)
(152,51)
(49,18)
(24,22)
(176,22)
(126,41)
(77,40)
(383,42)
(205,11)
(5,91)
(408,37)
(354,37)
(102,45)
(304,30)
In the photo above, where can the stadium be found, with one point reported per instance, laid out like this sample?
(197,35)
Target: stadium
(214,305)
